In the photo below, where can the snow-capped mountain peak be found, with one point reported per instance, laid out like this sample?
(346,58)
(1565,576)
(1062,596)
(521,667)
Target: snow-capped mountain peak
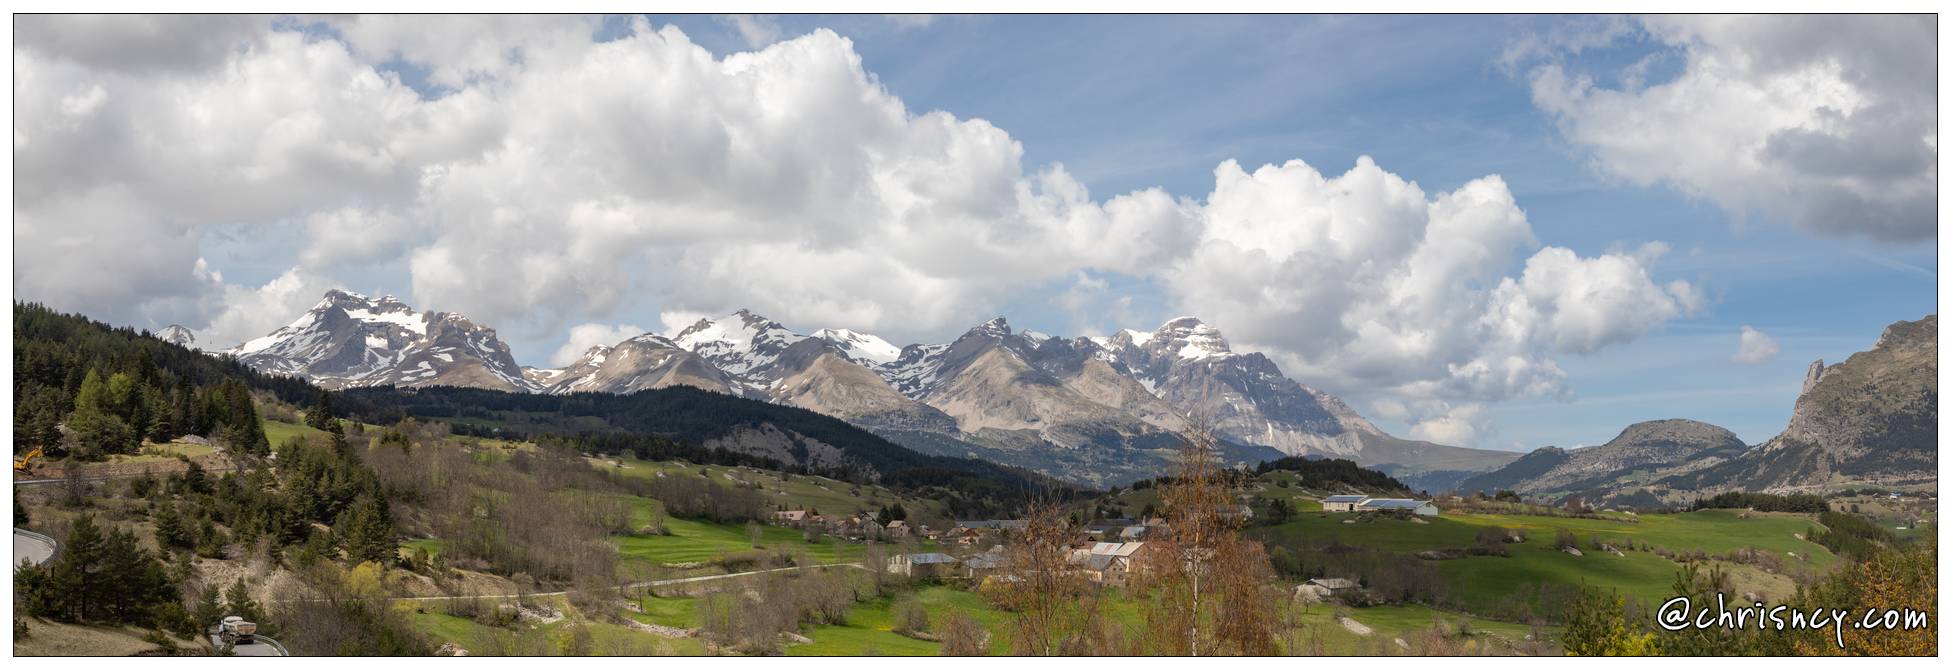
(862,347)
(1187,338)
(742,345)
(996,327)
(348,339)
(177,335)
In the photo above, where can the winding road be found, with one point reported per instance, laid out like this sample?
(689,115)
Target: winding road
(261,646)
(32,546)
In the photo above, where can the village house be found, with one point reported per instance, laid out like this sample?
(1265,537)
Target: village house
(1416,507)
(789,517)
(1105,527)
(985,564)
(898,529)
(1110,561)
(1341,503)
(970,532)
(930,565)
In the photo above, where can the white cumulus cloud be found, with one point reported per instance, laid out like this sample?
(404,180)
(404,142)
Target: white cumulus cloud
(1828,122)
(1365,279)
(1756,347)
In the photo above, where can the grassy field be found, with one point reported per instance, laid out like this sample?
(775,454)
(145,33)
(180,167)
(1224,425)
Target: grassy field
(695,541)
(605,639)
(827,496)
(699,541)
(1713,531)
(868,630)
(278,431)
(1483,583)
(162,453)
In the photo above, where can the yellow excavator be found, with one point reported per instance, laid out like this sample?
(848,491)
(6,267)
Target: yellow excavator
(24,461)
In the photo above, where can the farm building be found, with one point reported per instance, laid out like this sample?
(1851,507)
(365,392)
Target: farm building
(923,566)
(1342,503)
(1335,585)
(1417,507)
(969,532)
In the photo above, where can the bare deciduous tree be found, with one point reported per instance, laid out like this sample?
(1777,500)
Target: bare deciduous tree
(1211,584)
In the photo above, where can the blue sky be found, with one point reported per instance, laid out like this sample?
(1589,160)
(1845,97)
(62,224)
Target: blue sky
(1131,103)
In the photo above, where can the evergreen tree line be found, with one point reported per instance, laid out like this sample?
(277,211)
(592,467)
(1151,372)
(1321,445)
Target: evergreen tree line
(1336,470)
(1848,534)
(1764,502)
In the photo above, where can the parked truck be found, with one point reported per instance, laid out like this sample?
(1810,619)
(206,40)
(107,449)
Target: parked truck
(235,630)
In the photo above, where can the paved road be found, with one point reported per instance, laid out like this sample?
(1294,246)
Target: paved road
(104,478)
(262,646)
(32,546)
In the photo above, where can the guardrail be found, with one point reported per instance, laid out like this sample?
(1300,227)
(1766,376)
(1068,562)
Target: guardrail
(282,651)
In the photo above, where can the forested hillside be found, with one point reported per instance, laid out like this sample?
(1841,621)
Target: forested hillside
(114,387)
(678,421)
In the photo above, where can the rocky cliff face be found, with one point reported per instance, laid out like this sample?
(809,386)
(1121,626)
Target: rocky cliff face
(1870,419)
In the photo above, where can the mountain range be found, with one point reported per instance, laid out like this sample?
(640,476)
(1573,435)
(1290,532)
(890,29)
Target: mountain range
(1870,420)
(1091,410)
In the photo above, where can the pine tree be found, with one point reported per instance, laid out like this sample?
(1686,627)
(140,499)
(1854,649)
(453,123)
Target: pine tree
(171,531)
(122,396)
(366,531)
(208,609)
(93,395)
(161,425)
(320,415)
(74,578)
(238,602)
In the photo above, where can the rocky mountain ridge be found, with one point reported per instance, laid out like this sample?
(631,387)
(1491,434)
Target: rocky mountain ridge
(1093,410)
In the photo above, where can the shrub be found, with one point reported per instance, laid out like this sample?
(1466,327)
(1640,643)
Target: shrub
(910,617)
